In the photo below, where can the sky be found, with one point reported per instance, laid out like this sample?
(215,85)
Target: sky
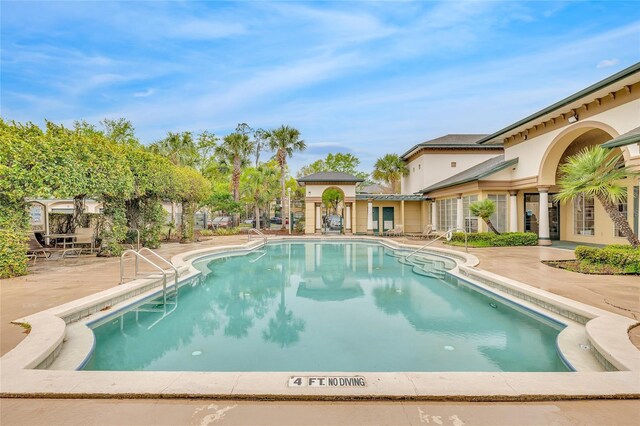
(366,78)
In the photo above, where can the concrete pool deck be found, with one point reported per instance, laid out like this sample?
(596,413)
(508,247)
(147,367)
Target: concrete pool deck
(102,266)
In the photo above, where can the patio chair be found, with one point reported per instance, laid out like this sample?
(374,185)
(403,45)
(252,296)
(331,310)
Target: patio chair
(36,249)
(428,232)
(84,237)
(395,232)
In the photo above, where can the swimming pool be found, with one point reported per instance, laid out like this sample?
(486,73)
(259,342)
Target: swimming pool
(326,306)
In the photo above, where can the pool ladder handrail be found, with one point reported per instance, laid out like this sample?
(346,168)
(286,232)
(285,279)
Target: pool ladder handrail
(139,256)
(449,232)
(258,232)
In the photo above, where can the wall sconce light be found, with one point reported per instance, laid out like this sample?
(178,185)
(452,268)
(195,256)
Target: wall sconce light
(572,118)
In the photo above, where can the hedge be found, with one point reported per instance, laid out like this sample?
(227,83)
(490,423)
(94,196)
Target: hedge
(624,257)
(490,239)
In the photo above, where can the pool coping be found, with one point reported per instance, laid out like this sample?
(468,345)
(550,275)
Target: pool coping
(607,333)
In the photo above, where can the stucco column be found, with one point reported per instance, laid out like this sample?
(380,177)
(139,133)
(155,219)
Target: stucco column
(370,217)
(513,211)
(347,216)
(434,215)
(459,212)
(318,219)
(543,218)
(404,226)
(354,224)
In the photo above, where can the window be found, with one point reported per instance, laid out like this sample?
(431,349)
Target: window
(583,216)
(447,212)
(470,221)
(453,164)
(499,218)
(622,208)
(418,166)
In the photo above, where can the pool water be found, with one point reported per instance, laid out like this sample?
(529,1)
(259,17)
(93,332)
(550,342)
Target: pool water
(325,306)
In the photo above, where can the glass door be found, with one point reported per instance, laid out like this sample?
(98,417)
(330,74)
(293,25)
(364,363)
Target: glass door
(532,210)
(376,219)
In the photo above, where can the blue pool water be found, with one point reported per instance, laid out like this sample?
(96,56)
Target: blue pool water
(325,306)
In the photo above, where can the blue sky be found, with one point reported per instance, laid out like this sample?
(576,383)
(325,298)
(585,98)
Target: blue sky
(360,77)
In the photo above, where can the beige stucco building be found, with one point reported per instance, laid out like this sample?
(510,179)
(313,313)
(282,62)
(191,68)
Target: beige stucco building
(516,167)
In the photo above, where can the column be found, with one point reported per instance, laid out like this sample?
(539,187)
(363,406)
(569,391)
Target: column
(459,212)
(513,211)
(543,218)
(403,223)
(347,226)
(434,215)
(318,219)
(370,217)
(354,224)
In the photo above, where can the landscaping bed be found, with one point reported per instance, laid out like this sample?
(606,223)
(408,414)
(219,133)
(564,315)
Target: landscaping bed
(490,239)
(609,260)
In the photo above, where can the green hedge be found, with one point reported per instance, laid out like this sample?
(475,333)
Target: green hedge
(624,257)
(490,239)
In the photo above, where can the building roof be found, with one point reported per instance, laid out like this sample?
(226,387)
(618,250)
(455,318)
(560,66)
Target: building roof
(389,197)
(628,138)
(602,84)
(474,173)
(330,177)
(451,141)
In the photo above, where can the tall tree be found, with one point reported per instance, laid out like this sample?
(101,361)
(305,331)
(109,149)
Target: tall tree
(339,162)
(234,151)
(284,141)
(596,172)
(390,169)
(260,139)
(179,148)
(258,184)
(120,131)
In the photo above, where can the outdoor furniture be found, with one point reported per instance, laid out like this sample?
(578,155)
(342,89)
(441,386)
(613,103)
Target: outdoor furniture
(84,237)
(395,232)
(36,249)
(428,232)
(61,239)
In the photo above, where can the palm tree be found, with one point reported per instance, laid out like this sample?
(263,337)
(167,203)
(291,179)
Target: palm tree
(484,209)
(258,184)
(179,148)
(596,172)
(390,169)
(234,150)
(284,141)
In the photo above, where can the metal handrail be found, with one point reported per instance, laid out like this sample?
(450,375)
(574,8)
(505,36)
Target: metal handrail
(175,270)
(138,255)
(256,231)
(450,231)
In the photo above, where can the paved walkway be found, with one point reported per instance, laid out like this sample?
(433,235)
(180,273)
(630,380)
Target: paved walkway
(56,282)
(202,413)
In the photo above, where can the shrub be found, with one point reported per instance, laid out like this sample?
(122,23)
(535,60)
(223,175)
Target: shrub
(490,239)
(624,257)
(220,232)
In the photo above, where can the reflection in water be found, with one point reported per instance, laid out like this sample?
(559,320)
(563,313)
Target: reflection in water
(324,307)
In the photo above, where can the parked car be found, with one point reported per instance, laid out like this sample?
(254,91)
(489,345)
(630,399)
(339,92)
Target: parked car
(276,220)
(222,222)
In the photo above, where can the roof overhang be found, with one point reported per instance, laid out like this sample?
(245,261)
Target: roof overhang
(613,83)
(503,165)
(623,140)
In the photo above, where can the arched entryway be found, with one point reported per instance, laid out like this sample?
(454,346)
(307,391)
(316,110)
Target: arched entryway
(582,219)
(333,207)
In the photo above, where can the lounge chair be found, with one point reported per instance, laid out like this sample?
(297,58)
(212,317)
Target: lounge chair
(84,237)
(36,249)
(395,232)
(428,232)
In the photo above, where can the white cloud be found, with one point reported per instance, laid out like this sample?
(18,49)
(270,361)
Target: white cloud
(144,93)
(606,63)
